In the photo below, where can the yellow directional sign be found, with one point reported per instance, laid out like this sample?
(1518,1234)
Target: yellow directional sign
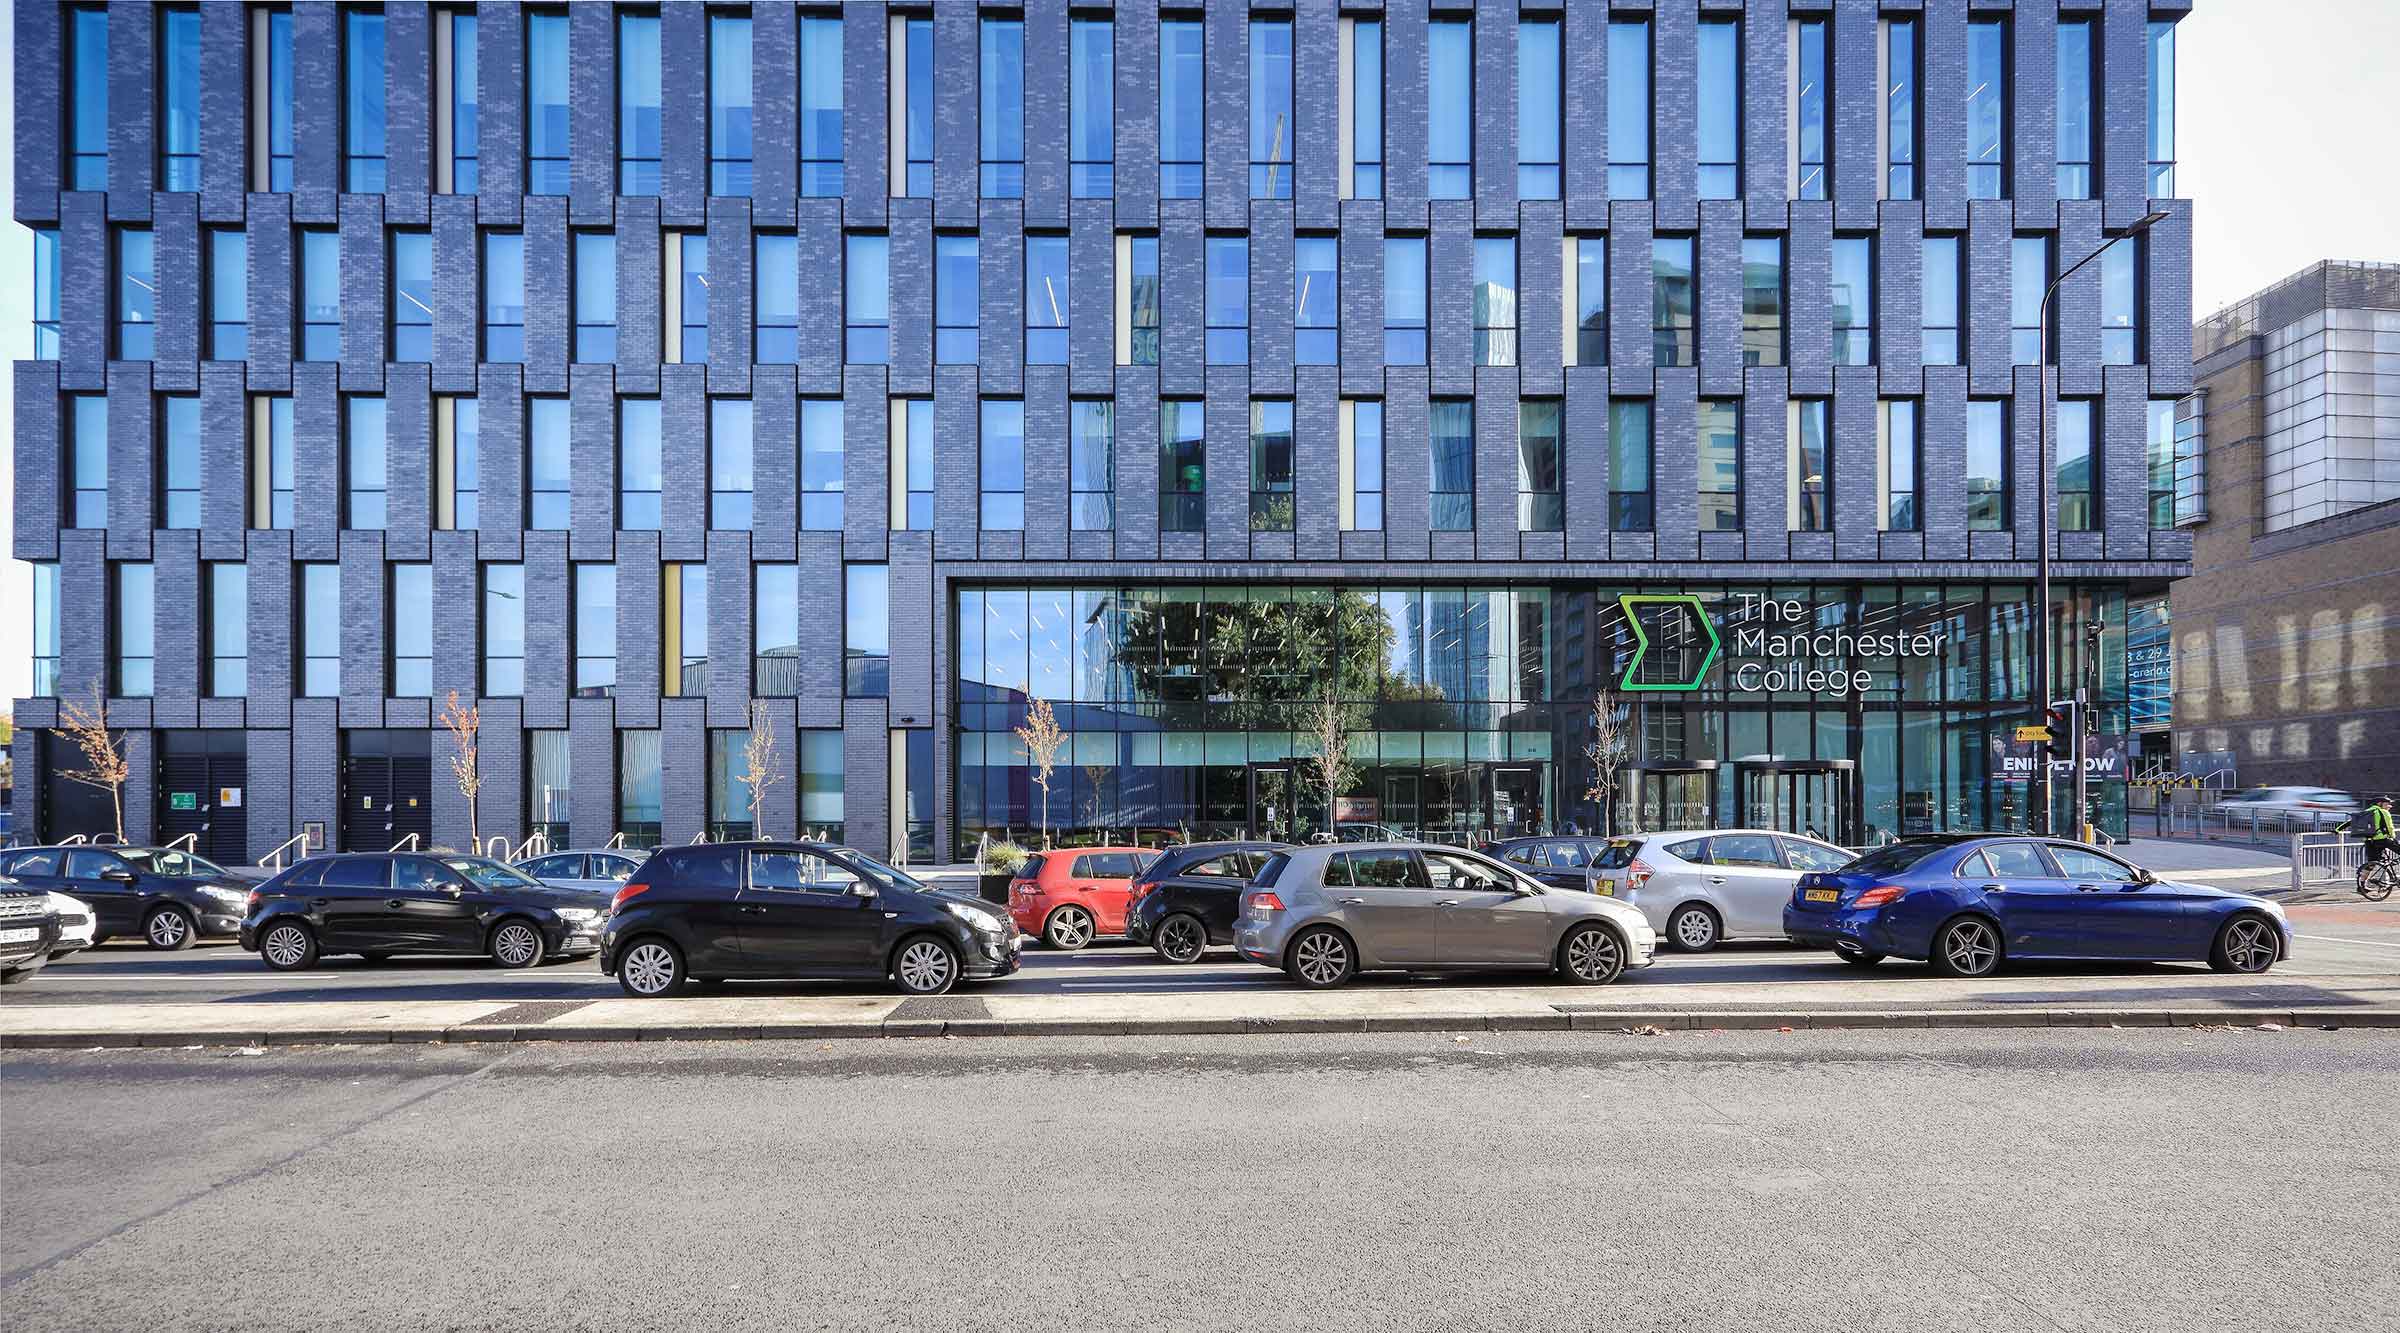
(2036,732)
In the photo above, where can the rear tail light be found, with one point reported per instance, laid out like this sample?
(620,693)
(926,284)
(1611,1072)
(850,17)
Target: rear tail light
(1637,873)
(1879,895)
(1141,890)
(632,890)
(251,904)
(1262,903)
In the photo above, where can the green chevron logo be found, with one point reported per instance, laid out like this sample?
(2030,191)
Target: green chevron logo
(1632,603)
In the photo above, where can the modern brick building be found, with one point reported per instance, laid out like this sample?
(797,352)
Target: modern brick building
(870,372)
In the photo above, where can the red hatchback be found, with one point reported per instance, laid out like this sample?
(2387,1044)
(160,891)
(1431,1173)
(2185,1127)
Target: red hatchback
(1070,897)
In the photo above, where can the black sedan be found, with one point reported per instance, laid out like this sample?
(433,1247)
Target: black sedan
(170,898)
(1186,900)
(379,904)
(796,909)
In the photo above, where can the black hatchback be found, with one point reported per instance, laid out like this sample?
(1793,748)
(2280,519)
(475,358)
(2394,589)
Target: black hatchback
(378,904)
(1186,900)
(796,910)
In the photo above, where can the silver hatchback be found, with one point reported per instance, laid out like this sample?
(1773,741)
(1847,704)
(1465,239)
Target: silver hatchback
(1326,913)
(1702,887)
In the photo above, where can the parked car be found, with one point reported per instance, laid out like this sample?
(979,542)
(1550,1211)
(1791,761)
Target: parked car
(2289,807)
(1968,903)
(1186,900)
(1350,830)
(76,925)
(1070,898)
(377,904)
(28,930)
(1326,913)
(170,898)
(1699,889)
(597,870)
(1560,861)
(796,910)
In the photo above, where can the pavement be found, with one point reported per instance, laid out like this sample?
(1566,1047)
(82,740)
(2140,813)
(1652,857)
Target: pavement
(2008,1182)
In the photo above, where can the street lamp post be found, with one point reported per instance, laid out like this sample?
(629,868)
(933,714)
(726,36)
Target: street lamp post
(2043,671)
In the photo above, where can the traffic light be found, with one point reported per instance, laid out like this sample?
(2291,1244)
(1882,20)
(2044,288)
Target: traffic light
(2061,718)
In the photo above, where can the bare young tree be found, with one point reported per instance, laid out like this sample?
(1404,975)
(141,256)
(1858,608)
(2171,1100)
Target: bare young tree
(1043,740)
(1609,750)
(104,766)
(464,722)
(1329,726)
(1097,775)
(762,767)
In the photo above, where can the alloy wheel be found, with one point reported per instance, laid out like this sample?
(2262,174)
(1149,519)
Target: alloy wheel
(1070,928)
(926,968)
(1180,939)
(2249,945)
(168,929)
(285,946)
(1695,930)
(649,969)
(1322,959)
(516,945)
(1593,955)
(1971,948)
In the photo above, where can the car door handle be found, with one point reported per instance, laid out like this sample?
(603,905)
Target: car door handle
(1716,879)
(391,902)
(752,911)
(1447,902)
(1994,888)
(2087,888)
(320,902)
(1354,902)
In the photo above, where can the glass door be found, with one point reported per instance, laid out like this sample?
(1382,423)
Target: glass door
(1668,800)
(1285,803)
(1517,801)
(1403,804)
(1814,800)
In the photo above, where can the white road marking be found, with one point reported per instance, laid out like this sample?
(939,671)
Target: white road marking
(2336,939)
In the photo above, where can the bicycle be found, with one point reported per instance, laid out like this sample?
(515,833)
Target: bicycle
(2377,878)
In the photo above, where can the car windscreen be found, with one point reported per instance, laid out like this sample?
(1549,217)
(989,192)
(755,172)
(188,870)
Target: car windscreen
(158,861)
(1894,858)
(491,874)
(890,876)
(1618,854)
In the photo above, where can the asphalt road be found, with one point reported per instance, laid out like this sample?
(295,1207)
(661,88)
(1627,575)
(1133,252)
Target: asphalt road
(2035,1180)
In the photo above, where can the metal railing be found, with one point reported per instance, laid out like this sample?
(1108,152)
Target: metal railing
(2325,859)
(273,860)
(189,842)
(407,844)
(75,840)
(615,841)
(535,844)
(495,847)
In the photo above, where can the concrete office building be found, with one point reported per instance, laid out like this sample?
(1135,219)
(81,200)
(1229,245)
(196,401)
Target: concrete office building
(644,372)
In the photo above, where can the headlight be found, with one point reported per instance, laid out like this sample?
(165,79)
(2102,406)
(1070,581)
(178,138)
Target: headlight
(975,917)
(578,914)
(232,899)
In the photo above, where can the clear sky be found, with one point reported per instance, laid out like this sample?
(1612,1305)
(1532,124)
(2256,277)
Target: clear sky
(2283,149)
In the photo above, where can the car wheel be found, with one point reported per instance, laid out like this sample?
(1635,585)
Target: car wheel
(1967,947)
(1321,958)
(169,928)
(1591,955)
(651,968)
(1069,928)
(517,944)
(1694,928)
(1858,957)
(1181,939)
(288,946)
(2247,943)
(925,966)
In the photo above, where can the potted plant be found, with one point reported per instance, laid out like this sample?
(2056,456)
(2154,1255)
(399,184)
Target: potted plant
(1001,862)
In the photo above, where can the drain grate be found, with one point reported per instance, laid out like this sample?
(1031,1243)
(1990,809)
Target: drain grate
(939,1008)
(530,1012)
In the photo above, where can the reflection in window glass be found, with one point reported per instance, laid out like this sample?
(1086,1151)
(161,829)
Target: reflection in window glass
(867,299)
(466,464)
(641,102)
(320,630)
(1145,299)
(2161,106)
(1092,109)
(1720,469)
(1182,467)
(2120,304)
(87,462)
(1987,465)
(367,464)
(821,455)
(1404,300)
(87,98)
(1495,300)
(1900,464)
(1453,471)
(775,275)
(466,132)
(546,79)
(1046,302)
(641,803)
(137,295)
(1180,74)
(820,105)
(228,630)
(179,99)
(411,631)
(503,297)
(1671,301)
(1591,300)
(179,471)
(957,299)
(136,596)
(1364,466)
(2028,282)
(2075,81)
(1092,464)
(1809,467)
(1001,464)
(1316,300)
(1630,506)
(866,631)
(730,476)
(47,290)
(363,101)
(1271,127)
(596,296)
(731,151)
(917,424)
(548,461)
(1366,109)
(1762,300)
(1271,493)
(1987,109)
(641,465)
(914,37)
(595,629)
(1629,109)
(693,346)
(412,296)
(46,623)
(1853,300)
(1939,300)
(2074,482)
(1450,112)
(775,629)
(1002,113)
(1540,114)
(1227,300)
(1720,109)
(1541,476)
(1900,108)
(1811,130)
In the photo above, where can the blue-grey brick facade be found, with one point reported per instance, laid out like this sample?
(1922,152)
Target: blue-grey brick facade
(294,744)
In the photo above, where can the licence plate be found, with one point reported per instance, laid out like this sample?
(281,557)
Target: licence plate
(1822,895)
(19,936)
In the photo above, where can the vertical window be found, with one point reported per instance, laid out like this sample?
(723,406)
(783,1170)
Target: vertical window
(1271,496)
(683,622)
(2161,62)
(412,296)
(228,294)
(47,290)
(411,631)
(137,294)
(1720,470)
(692,295)
(1046,300)
(1939,300)
(548,461)
(820,105)
(179,99)
(2074,479)
(365,464)
(730,475)
(1453,465)
(1495,300)
(596,296)
(1364,106)
(641,104)
(1629,109)
(1362,465)
(137,629)
(465,417)
(87,469)
(1540,109)
(2075,83)
(1808,467)
(1180,172)
(1902,474)
(1591,300)
(320,631)
(775,630)
(912,84)
(549,782)
(821,464)
(1404,300)
(1316,300)
(866,631)
(321,296)
(1092,464)
(957,299)
(2158,455)
(867,299)
(775,276)
(503,296)
(916,427)
(1271,127)
(179,461)
(1720,109)
(1762,301)
(731,154)
(271,449)
(1182,467)
(546,79)
(1987,465)
(1987,109)
(2028,283)
(1812,132)
(1001,465)
(595,630)
(363,101)
(271,123)
(1671,301)
(641,465)
(2120,302)
(1853,300)
(731,816)
(1899,61)
(821,765)
(1092,109)
(465,128)
(1541,477)
(1228,300)
(1002,110)
(504,631)
(228,630)
(87,98)
(1145,300)
(1450,109)
(46,623)
(1630,495)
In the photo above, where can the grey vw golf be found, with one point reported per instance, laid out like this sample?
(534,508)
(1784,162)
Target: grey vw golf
(1326,913)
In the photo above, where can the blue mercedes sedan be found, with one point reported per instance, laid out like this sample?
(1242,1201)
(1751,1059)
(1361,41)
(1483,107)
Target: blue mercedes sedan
(1967,903)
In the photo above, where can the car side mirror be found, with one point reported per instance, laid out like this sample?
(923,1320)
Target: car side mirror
(2142,875)
(118,876)
(862,889)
